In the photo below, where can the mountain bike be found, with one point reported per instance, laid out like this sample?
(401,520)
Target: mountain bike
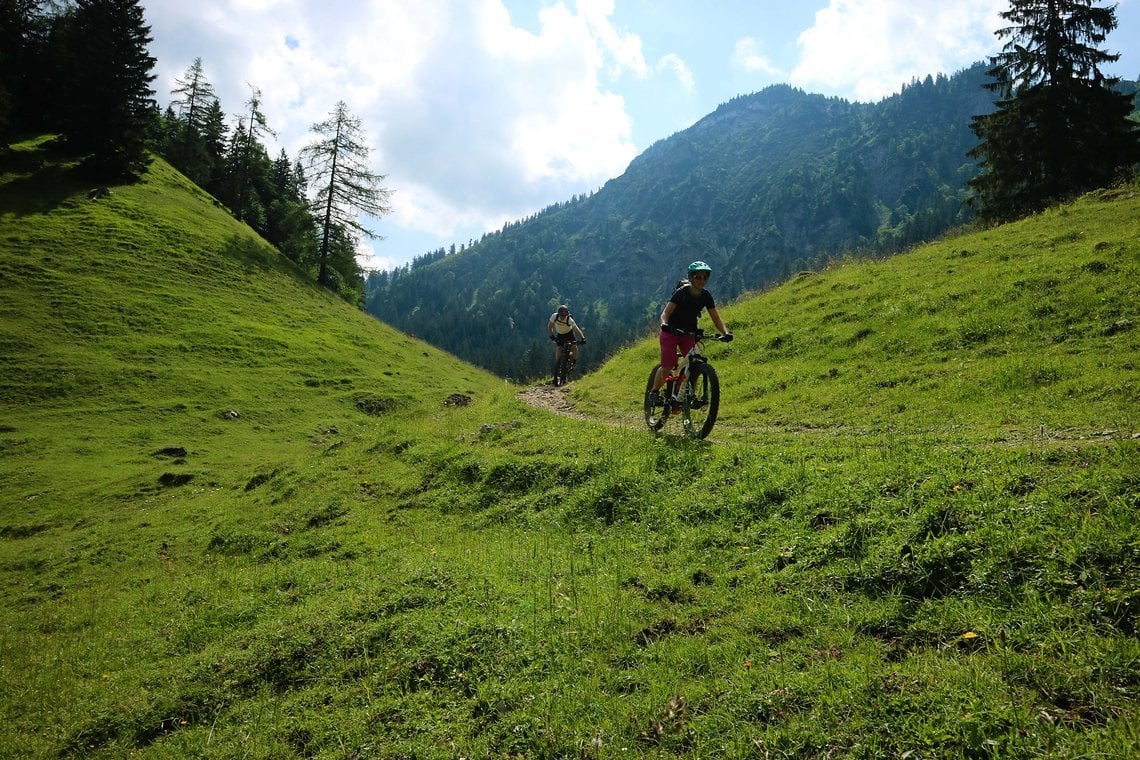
(564,361)
(691,390)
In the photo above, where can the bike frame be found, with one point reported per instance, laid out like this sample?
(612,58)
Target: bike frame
(564,346)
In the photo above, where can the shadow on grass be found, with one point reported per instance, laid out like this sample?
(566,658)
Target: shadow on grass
(39,186)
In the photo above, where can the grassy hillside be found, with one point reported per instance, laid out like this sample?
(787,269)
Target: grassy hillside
(1023,332)
(240,519)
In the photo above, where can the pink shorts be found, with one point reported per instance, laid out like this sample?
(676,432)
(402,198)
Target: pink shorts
(670,342)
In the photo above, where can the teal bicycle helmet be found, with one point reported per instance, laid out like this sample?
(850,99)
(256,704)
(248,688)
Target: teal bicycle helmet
(699,266)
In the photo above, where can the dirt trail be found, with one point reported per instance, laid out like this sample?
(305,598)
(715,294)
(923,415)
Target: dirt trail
(556,400)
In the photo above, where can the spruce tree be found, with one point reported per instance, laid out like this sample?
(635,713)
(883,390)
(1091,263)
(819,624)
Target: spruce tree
(108,107)
(214,138)
(29,71)
(289,224)
(248,165)
(1060,127)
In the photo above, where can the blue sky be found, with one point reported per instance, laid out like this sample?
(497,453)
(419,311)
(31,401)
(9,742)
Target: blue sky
(481,112)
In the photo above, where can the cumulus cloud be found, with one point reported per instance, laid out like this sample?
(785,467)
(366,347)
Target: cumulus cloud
(872,47)
(673,63)
(747,56)
(473,118)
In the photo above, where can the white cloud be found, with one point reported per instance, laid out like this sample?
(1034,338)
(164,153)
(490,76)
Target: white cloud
(872,47)
(747,56)
(675,64)
(473,118)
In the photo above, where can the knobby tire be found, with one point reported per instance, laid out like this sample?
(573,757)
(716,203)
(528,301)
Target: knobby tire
(654,416)
(562,367)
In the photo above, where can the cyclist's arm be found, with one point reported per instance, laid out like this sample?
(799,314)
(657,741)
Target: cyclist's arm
(581,335)
(715,316)
(550,327)
(667,312)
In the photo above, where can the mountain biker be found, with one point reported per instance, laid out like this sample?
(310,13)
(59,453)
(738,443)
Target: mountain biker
(561,328)
(681,313)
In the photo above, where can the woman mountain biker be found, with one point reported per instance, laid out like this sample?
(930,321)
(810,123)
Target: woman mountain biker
(681,313)
(561,328)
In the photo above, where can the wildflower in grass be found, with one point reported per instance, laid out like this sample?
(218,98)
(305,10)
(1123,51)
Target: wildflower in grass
(748,664)
(970,641)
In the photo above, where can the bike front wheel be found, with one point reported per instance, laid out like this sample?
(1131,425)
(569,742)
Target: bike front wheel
(701,401)
(562,366)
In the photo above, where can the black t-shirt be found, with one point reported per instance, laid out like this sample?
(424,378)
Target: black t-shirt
(689,307)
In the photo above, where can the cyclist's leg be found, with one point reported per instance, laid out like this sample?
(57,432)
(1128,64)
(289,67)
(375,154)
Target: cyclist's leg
(669,343)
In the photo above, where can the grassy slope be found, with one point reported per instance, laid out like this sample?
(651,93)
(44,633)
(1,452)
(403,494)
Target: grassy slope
(1027,330)
(911,534)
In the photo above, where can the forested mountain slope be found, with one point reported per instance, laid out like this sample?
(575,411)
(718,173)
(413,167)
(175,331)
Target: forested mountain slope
(768,184)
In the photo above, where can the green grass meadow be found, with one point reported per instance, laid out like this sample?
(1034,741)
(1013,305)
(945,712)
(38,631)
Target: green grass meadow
(240,519)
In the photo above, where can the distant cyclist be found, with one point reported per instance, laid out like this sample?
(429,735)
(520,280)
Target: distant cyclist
(561,328)
(681,313)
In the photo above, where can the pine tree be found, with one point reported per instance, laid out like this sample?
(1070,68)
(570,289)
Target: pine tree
(108,107)
(346,187)
(1060,127)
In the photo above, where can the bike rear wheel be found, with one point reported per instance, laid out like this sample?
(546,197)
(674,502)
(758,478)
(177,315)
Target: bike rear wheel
(655,416)
(700,400)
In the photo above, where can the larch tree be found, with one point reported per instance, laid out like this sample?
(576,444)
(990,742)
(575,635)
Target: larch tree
(337,167)
(1060,127)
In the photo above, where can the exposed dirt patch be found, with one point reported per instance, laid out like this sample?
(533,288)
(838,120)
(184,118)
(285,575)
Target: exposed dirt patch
(552,399)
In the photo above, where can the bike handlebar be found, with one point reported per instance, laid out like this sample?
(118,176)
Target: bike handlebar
(699,334)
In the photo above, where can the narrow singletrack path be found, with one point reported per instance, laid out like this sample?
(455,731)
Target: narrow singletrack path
(556,399)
